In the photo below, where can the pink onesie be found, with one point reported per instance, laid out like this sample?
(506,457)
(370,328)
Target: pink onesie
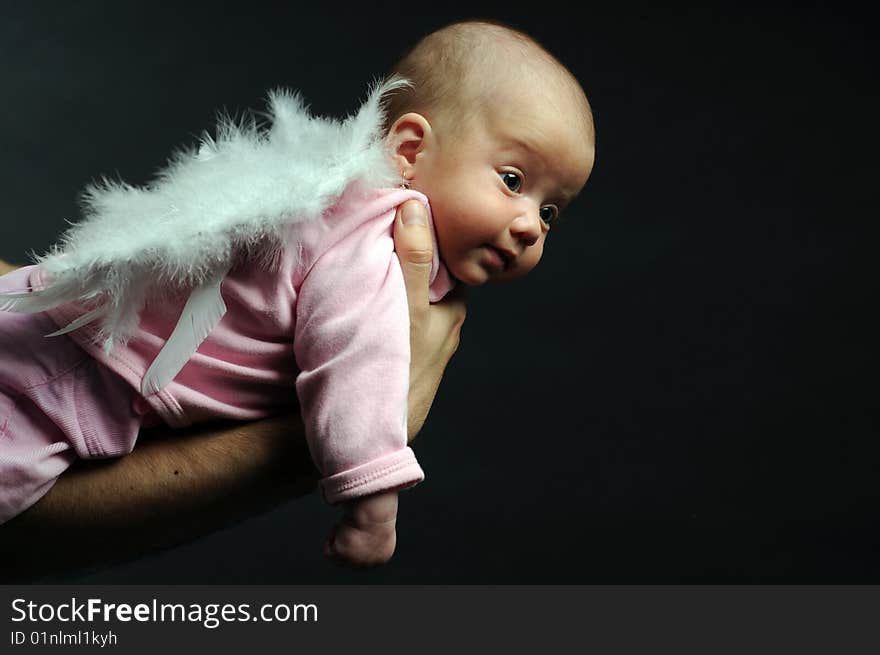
(331,320)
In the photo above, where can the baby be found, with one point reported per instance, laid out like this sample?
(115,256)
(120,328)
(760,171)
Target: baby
(492,139)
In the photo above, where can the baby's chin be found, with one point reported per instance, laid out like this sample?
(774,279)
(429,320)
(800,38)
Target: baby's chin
(474,275)
(468,273)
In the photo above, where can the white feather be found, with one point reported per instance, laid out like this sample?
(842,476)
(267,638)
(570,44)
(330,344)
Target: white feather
(85,319)
(39,300)
(203,310)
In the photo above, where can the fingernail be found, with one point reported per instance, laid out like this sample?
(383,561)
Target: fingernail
(413,215)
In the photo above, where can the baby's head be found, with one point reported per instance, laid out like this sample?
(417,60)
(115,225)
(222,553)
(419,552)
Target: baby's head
(498,135)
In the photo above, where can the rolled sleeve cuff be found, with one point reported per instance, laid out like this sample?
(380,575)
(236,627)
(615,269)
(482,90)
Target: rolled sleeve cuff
(397,470)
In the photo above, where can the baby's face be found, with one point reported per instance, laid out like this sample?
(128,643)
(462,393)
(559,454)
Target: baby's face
(496,190)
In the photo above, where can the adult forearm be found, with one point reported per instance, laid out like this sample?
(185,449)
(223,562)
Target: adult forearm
(169,490)
(5,267)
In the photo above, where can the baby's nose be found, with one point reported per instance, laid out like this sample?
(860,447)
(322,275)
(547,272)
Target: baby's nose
(526,229)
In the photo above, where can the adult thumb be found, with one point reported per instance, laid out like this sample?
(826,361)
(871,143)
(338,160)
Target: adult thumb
(415,250)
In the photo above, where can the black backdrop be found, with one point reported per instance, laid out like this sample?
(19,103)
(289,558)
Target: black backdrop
(683,391)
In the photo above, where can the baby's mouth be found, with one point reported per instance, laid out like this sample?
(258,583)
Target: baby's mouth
(501,259)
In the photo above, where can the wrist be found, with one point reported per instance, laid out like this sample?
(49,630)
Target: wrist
(372,510)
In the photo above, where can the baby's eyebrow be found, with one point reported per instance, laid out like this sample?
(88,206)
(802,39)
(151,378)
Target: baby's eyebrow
(528,146)
(566,199)
(568,195)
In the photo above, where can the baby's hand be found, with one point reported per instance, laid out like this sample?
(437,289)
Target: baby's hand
(366,535)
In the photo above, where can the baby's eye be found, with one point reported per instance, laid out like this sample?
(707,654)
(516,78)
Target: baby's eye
(512,181)
(548,214)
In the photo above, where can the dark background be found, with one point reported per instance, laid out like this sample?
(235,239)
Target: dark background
(683,391)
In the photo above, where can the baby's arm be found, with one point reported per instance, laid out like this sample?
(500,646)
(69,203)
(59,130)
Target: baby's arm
(366,533)
(353,348)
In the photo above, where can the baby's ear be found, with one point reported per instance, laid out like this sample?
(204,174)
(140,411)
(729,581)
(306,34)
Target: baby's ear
(406,139)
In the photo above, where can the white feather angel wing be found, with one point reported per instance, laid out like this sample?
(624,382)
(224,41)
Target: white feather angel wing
(203,310)
(232,197)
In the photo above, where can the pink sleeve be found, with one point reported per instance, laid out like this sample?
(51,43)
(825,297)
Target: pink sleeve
(352,347)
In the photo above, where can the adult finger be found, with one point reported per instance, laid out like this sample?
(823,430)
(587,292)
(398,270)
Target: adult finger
(454,305)
(415,250)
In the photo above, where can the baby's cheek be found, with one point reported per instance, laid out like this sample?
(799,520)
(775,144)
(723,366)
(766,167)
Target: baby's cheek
(532,256)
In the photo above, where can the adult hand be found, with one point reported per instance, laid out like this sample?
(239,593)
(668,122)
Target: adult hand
(434,329)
